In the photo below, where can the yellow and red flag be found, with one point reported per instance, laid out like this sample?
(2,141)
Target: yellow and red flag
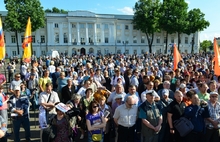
(27,43)
(176,57)
(216,58)
(2,42)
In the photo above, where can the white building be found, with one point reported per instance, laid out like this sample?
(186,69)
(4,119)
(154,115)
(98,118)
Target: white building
(84,32)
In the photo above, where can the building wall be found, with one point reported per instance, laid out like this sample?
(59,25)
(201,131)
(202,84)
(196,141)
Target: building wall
(87,30)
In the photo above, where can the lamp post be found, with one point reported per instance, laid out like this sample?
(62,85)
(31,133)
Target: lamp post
(124,43)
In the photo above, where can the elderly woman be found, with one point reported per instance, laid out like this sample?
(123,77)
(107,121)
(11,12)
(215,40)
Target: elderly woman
(61,82)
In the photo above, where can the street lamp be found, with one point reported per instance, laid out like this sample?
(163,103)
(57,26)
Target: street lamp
(124,42)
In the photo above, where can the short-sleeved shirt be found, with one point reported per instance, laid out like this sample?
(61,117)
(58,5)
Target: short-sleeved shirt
(14,83)
(43,81)
(112,96)
(2,78)
(53,99)
(126,116)
(176,109)
(95,120)
(204,97)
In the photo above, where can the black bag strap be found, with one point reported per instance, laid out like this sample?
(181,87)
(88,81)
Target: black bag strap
(49,98)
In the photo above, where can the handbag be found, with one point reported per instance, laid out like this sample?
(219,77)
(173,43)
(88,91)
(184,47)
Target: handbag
(184,126)
(48,134)
(96,137)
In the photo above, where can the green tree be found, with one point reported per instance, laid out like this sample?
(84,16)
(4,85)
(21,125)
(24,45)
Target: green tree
(48,11)
(178,17)
(18,13)
(55,10)
(165,20)
(206,44)
(146,16)
(196,22)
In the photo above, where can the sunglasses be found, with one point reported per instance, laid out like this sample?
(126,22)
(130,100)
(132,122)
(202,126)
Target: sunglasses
(95,106)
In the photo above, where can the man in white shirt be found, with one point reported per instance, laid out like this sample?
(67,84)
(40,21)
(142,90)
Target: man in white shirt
(125,118)
(118,91)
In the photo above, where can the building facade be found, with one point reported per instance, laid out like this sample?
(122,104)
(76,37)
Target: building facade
(84,32)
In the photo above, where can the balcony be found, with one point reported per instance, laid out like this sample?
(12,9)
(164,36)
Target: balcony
(74,43)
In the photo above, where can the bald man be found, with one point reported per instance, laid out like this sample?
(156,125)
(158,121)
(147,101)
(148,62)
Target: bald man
(125,118)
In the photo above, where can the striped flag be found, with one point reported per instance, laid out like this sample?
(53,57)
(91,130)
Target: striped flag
(176,57)
(2,42)
(27,43)
(216,58)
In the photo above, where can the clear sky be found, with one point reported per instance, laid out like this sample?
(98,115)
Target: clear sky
(210,8)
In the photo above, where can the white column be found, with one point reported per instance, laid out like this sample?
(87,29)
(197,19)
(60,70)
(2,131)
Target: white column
(87,35)
(61,33)
(111,34)
(130,34)
(103,34)
(69,33)
(78,34)
(123,32)
(95,34)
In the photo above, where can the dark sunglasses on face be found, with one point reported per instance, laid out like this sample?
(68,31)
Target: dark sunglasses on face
(95,106)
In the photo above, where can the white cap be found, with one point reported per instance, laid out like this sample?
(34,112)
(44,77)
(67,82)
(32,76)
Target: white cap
(213,93)
(182,85)
(17,88)
(118,97)
(165,92)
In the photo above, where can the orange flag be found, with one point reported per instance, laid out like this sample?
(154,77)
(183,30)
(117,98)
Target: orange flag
(27,43)
(2,42)
(216,58)
(176,57)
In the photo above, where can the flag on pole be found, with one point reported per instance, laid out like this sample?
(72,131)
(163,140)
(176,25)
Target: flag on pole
(27,43)
(216,58)
(2,42)
(176,57)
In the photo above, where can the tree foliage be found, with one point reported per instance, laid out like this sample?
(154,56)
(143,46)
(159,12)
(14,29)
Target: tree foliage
(205,45)
(18,13)
(196,22)
(146,18)
(56,10)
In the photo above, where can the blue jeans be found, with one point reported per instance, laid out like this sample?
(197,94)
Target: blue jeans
(90,137)
(17,121)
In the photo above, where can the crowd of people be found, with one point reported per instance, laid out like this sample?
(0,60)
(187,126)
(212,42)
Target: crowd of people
(113,98)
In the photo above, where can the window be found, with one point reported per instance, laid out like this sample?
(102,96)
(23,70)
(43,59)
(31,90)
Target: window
(73,25)
(90,40)
(82,41)
(13,39)
(33,39)
(43,52)
(106,51)
(14,53)
(34,52)
(118,27)
(164,39)
(82,26)
(98,26)
(135,51)
(186,40)
(118,51)
(90,26)
(106,39)
(172,39)
(118,41)
(65,38)
(143,39)
(126,51)
(42,39)
(134,39)
(57,38)
(142,51)
(56,25)
(22,39)
(98,38)
(126,27)
(106,26)
(158,39)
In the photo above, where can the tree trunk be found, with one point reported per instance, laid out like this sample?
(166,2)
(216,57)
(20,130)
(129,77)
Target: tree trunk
(192,51)
(178,41)
(166,42)
(16,36)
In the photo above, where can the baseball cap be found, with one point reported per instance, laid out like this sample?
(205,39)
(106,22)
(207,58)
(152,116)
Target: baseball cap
(17,88)
(213,93)
(165,92)
(182,85)
(118,97)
